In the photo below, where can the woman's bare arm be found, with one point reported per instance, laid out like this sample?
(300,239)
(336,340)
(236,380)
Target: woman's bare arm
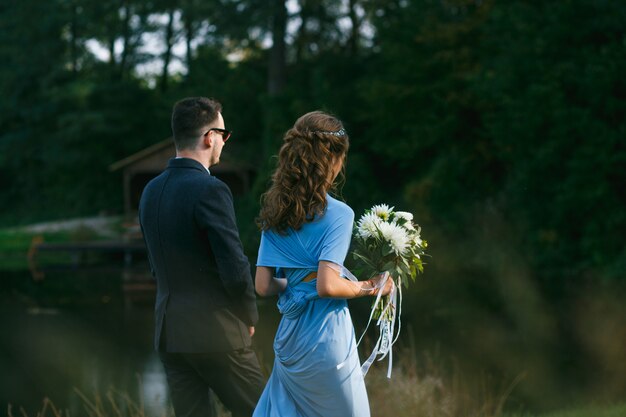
(331,285)
(266,283)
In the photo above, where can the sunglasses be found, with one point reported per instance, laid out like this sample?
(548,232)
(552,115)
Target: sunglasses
(225,133)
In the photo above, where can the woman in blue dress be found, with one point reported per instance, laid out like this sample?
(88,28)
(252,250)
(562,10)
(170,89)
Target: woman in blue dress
(305,238)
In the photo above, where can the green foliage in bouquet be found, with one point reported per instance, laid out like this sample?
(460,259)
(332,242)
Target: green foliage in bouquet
(387,240)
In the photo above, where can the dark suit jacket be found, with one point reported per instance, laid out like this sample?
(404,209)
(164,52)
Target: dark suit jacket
(205,294)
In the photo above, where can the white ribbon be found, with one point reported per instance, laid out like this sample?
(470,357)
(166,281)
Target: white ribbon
(386,327)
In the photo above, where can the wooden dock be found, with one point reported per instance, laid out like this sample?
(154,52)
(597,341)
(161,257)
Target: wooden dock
(78,251)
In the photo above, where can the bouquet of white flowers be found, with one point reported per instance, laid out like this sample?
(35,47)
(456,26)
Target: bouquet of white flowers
(388,241)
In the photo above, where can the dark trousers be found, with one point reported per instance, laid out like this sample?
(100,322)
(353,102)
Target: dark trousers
(235,377)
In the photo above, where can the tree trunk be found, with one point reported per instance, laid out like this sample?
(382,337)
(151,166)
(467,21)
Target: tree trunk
(277,65)
(126,33)
(189,33)
(112,60)
(354,32)
(302,39)
(167,56)
(74,38)
(276,78)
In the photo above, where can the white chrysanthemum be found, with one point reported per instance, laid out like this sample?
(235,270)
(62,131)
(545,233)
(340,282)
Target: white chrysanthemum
(405,219)
(367,225)
(404,215)
(409,226)
(396,236)
(383,211)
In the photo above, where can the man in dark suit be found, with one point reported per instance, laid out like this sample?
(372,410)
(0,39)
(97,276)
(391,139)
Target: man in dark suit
(205,304)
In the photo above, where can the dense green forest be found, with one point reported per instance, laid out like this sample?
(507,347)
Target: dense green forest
(454,108)
(500,124)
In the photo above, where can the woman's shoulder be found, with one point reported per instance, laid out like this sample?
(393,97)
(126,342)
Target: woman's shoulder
(337,208)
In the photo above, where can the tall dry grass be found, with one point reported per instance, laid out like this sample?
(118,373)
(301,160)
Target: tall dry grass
(425,391)
(112,404)
(421,390)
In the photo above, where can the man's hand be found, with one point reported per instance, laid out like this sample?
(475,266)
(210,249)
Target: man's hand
(251,330)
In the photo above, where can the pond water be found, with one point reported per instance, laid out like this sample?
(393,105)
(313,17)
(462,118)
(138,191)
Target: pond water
(90,331)
(83,331)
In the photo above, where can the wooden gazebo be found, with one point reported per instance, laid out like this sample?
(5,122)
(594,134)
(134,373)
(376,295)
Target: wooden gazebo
(139,168)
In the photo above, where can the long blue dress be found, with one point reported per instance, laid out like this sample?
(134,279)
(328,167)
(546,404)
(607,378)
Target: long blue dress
(316,368)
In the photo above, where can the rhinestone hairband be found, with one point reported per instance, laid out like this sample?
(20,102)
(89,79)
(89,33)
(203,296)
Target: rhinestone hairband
(340,132)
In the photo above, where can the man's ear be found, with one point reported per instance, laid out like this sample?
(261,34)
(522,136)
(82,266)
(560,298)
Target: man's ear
(208,140)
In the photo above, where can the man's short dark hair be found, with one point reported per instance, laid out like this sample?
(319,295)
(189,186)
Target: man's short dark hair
(189,117)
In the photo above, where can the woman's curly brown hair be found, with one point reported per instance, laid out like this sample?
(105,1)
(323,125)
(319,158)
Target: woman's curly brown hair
(303,175)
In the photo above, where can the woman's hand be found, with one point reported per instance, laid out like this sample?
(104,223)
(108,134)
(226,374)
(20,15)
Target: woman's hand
(386,288)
